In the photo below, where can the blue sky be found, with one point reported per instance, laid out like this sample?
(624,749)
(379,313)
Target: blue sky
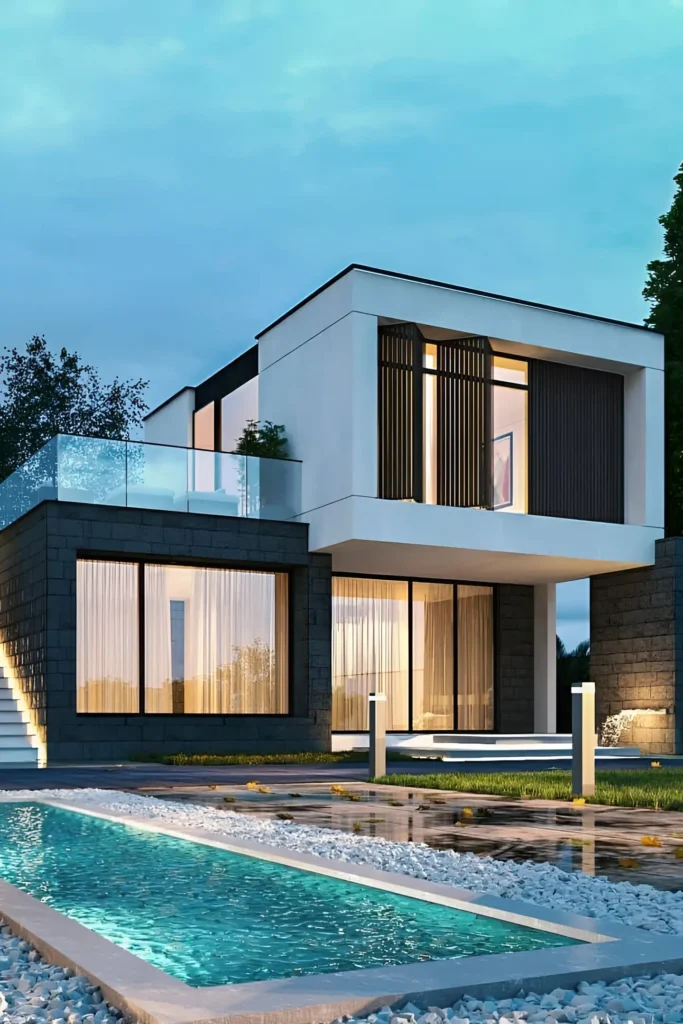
(175,173)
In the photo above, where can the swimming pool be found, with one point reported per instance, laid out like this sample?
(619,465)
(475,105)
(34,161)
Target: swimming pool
(210,917)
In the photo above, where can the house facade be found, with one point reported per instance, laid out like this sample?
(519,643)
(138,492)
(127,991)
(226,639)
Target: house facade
(454,455)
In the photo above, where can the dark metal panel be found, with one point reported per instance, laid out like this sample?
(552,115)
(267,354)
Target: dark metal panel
(576,442)
(228,379)
(464,422)
(400,412)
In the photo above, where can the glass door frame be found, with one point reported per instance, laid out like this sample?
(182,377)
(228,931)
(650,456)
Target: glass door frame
(410,580)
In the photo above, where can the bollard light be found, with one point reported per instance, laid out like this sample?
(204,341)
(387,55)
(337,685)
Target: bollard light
(377,753)
(584,739)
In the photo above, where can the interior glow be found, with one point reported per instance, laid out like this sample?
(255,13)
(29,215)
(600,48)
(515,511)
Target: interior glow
(107,642)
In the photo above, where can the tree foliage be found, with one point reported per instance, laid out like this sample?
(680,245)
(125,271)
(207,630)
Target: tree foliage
(42,394)
(268,441)
(572,667)
(664,291)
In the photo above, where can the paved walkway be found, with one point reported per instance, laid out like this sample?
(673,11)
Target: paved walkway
(148,776)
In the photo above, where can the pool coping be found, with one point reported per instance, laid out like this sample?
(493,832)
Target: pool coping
(608,950)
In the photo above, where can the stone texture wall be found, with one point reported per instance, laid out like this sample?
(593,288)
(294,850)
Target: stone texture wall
(514,613)
(45,621)
(23,607)
(636,647)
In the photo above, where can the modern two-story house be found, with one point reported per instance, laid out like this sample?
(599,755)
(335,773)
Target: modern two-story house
(453,456)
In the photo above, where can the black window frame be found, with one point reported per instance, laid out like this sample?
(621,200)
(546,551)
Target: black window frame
(455,583)
(141,561)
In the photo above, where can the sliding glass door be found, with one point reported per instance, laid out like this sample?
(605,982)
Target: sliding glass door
(427,645)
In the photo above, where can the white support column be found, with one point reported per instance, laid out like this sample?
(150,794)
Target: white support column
(545,659)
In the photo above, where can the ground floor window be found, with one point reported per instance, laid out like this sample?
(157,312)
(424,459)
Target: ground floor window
(400,637)
(171,639)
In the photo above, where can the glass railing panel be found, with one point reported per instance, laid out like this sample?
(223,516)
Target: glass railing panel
(217,483)
(91,470)
(273,488)
(30,484)
(157,477)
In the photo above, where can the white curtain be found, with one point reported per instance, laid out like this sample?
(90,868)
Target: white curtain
(107,670)
(433,656)
(475,658)
(369,650)
(235,640)
(158,666)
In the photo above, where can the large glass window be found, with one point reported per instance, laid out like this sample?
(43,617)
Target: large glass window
(215,640)
(433,656)
(475,658)
(399,637)
(107,643)
(509,437)
(369,650)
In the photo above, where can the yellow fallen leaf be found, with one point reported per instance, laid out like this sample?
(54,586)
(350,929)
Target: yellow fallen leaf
(579,801)
(628,862)
(467,812)
(253,785)
(580,842)
(338,789)
(461,824)
(655,764)
(263,789)
(650,841)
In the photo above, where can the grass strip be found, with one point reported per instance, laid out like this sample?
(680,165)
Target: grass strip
(660,788)
(306,757)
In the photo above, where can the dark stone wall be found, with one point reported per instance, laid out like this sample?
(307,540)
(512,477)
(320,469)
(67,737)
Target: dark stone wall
(23,608)
(514,611)
(637,645)
(57,532)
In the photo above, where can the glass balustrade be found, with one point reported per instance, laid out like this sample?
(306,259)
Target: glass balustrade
(134,474)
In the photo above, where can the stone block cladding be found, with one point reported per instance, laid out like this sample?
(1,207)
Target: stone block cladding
(38,557)
(637,648)
(514,615)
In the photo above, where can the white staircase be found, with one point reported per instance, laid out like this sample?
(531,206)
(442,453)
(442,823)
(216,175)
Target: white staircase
(17,749)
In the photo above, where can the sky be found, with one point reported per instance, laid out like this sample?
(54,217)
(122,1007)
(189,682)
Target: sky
(174,174)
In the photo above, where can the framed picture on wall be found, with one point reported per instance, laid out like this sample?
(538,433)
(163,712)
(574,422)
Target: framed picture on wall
(502,471)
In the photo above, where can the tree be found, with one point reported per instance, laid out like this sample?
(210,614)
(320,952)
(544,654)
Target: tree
(572,667)
(664,291)
(42,395)
(268,441)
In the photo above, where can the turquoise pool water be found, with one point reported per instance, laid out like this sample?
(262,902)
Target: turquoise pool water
(210,917)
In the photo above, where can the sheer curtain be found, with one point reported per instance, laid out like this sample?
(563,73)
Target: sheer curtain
(107,642)
(433,656)
(369,650)
(235,643)
(475,658)
(158,659)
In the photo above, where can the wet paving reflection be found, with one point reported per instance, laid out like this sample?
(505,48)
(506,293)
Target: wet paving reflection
(621,844)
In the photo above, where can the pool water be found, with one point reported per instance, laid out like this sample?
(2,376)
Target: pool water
(209,917)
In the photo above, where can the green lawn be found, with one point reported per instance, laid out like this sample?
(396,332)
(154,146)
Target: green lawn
(307,757)
(661,788)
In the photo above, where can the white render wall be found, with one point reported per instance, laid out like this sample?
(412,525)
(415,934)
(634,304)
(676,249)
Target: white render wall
(172,422)
(318,376)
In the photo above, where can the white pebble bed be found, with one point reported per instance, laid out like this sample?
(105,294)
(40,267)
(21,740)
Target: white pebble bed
(33,991)
(655,1000)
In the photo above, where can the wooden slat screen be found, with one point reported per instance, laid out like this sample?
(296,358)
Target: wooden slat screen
(400,412)
(464,423)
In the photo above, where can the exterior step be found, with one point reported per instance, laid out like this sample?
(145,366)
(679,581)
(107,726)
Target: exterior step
(9,716)
(26,757)
(14,742)
(15,728)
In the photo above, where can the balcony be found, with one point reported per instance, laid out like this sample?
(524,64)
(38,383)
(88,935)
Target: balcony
(135,474)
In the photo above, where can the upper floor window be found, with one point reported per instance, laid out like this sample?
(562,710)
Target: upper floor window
(453,421)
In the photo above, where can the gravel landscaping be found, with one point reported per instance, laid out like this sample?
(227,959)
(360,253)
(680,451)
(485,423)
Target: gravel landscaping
(33,991)
(657,1000)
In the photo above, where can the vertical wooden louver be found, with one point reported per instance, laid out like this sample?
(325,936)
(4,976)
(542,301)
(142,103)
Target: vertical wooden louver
(576,451)
(400,412)
(464,422)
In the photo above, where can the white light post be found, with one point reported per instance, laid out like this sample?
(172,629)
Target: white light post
(584,739)
(377,752)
